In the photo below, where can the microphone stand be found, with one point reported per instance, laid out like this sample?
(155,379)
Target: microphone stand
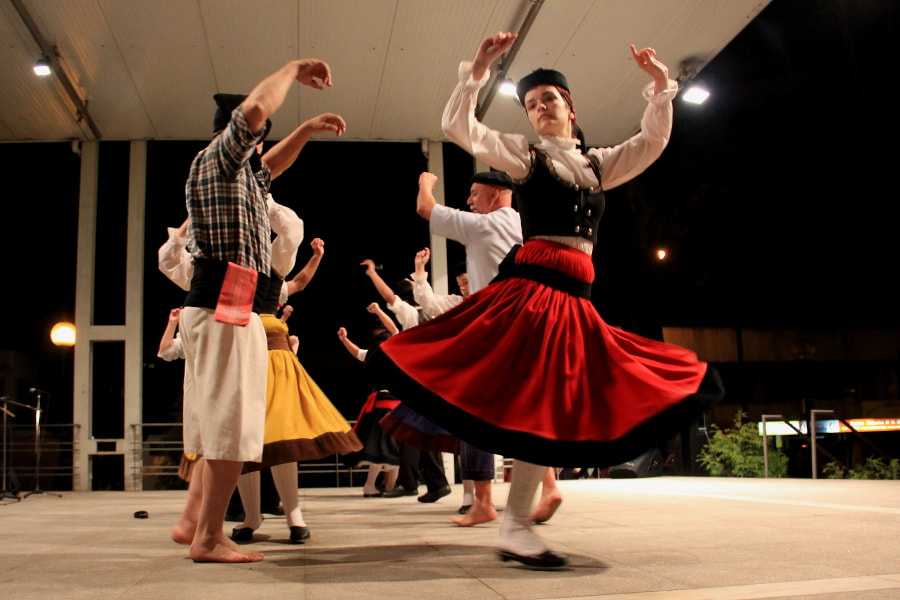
(37,449)
(6,492)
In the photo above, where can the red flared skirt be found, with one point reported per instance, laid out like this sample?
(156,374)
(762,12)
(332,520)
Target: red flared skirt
(527,370)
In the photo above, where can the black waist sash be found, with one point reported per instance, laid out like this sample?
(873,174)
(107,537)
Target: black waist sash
(544,275)
(206,285)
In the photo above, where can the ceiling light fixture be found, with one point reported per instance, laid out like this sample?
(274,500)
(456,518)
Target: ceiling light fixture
(42,67)
(695,95)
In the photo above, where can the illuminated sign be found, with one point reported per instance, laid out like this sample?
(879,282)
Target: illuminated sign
(831,426)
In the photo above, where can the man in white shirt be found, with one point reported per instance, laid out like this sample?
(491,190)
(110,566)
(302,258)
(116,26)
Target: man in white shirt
(488,232)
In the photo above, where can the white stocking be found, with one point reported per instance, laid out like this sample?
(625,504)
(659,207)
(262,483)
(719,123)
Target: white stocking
(390,476)
(369,485)
(515,531)
(468,492)
(285,478)
(248,487)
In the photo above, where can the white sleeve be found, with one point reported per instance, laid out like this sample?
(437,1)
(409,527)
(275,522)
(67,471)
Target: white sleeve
(455,224)
(505,151)
(406,314)
(361,355)
(629,159)
(288,228)
(432,304)
(175,261)
(173,352)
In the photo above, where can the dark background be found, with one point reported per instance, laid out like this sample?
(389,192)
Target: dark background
(773,199)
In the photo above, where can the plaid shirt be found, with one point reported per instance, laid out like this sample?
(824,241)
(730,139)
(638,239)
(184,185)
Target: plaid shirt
(226,201)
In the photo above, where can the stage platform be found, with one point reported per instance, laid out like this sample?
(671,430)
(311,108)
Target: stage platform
(664,538)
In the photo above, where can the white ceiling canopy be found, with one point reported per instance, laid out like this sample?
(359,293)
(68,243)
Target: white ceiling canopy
(147,69)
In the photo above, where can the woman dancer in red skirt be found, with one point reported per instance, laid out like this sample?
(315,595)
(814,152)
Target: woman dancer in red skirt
(526,367)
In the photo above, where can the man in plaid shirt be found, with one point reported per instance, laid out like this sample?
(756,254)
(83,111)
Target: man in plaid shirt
(224,341)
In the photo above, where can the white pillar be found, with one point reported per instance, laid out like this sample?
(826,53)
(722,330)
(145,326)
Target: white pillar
(84,290)
(134,313)
(130,333)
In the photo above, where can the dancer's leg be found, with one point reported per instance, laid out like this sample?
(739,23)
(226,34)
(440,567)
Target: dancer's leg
(550,500)
(391,472)
(285,478)
(184,528)
(482,510)
(248,488)
(210,543)
(369,486)
(515,530)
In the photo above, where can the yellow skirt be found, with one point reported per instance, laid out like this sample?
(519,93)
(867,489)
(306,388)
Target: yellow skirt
(301,422)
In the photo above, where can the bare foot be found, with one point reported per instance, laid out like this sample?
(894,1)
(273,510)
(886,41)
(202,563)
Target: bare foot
(183,531)
(223,550)
(477,514)
(546,507)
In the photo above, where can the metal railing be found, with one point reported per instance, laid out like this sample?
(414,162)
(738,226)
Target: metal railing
(812,438)
(157,449)
(46,459)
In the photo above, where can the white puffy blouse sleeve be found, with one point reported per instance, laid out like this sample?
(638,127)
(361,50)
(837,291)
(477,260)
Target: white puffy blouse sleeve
(288,228)
(629,159)
(175,261)
(505,151)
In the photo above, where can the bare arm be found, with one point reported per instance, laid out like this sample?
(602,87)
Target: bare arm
(268,95)
(302,279)
(352,348)
(425,199)
(383,289)
(490,50)
(283,154)
(386,320)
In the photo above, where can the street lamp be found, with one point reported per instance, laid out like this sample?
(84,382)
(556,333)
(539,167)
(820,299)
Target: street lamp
(63,334)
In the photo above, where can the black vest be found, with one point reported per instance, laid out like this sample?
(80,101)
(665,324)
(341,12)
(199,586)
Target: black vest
(550,206)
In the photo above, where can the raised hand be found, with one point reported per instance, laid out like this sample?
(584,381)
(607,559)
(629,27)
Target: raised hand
(490,50)
(314,73)
(318,247)
(326,122)
(646,60)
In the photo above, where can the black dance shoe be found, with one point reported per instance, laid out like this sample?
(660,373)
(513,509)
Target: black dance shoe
(434,496)
(464,509)
(242,534)
(548,559)
(299,534)
(399,491)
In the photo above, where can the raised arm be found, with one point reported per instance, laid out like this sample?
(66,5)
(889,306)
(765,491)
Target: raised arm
(384,290)
(431,303)
(283,154)
(352,348)
(385,319)
(268,95)
(504,151)
(169,347)
(425,199)
(646,60)
(302,279)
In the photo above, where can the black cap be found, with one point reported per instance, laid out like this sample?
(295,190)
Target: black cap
(496,178)
(225,105)
(540,77)
(460,268)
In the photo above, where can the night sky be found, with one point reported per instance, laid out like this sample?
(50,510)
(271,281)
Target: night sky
(772,199)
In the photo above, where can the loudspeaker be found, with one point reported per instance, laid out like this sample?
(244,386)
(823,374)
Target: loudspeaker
(648,464)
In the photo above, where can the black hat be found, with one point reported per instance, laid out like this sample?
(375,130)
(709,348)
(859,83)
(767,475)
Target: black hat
(459,269)
(496,178)
(540,77)
(225,105)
